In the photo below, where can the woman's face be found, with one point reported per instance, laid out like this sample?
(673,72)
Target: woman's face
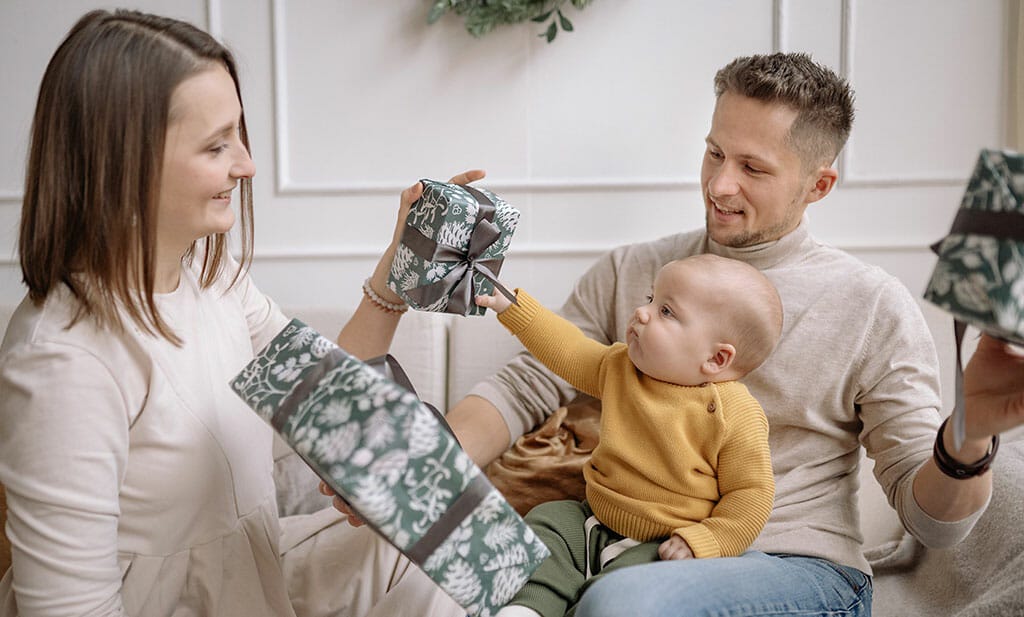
(204,158)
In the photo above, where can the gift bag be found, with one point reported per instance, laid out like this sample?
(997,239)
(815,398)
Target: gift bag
(452,248)
(979,276)
(395,463)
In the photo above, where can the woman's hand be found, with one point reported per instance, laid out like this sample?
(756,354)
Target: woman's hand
(994,388)
(674,548)
(409,196)
(414,192)
(341,505)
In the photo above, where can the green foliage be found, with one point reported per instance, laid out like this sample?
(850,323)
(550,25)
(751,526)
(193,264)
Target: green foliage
(482,16)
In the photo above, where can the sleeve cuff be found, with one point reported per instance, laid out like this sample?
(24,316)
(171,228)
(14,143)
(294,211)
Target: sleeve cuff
(518,316)
(517,424)
(701,542)
(932,532)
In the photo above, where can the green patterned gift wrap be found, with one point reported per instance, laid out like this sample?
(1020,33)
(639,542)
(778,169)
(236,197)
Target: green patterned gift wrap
(979,276)
(452,248)
(393,461)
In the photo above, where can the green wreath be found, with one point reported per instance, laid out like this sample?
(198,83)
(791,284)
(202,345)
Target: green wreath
(481,16)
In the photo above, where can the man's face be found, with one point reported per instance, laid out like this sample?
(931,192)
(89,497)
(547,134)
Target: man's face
(754,188)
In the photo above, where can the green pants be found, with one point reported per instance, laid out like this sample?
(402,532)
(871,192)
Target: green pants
(556,586)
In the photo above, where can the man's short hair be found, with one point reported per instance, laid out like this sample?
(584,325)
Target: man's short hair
(823,100)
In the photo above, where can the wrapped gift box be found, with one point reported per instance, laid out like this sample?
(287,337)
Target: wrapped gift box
(979,277)
(452,248)
(395,463)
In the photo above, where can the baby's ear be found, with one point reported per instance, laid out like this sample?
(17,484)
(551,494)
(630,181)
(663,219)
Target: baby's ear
(721,359)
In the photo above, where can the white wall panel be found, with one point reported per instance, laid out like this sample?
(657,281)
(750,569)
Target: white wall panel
(367,98)
(815,27)
(930,86)
(630,95)
(31,32)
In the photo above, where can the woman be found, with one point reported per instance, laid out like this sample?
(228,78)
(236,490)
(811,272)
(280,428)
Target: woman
(137,482)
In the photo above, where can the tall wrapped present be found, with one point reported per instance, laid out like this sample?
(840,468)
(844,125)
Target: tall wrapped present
(452,248)
(394,462)
(979,276)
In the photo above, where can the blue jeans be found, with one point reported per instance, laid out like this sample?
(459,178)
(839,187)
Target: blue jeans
(754,584)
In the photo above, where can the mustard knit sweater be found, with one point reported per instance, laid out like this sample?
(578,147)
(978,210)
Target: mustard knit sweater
(686,460)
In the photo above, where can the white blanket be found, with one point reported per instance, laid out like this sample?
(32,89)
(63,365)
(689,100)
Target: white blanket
(983,576)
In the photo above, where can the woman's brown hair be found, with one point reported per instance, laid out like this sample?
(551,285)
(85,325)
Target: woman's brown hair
(93,174)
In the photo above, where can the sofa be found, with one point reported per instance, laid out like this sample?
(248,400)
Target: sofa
(445,355)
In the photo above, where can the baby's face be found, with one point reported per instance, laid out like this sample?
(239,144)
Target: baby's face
(674,334)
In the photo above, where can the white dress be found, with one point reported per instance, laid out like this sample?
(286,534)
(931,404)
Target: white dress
(138,483)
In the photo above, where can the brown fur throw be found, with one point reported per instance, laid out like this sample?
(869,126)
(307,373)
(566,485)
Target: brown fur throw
(547,463)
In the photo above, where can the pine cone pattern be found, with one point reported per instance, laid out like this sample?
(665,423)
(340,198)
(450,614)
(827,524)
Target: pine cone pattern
(979,278)
(388,456)
(447,213)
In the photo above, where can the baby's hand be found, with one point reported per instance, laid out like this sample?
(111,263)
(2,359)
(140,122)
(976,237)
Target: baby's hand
(496,302)
(674,548)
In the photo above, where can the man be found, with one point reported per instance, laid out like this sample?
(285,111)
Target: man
(855,366)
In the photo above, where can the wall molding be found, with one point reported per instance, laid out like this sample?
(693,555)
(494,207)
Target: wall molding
(214,23)
(279,82)
(780,33)
(547,251)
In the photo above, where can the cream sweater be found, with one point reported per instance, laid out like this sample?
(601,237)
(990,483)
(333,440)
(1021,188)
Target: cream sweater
(688,460)
(856,366)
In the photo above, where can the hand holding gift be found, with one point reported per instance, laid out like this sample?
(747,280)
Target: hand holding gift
(497,302)
(979,279)
(395,464)
(994,388)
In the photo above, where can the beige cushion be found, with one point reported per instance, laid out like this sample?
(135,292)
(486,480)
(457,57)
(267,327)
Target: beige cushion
(477,348)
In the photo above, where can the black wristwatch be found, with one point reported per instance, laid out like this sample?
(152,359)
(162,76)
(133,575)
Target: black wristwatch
(954,468)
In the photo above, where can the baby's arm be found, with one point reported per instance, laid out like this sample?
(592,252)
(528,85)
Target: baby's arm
(552,339)
(746,486)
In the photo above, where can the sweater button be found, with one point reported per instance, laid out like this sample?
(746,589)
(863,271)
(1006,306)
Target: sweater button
(711,407)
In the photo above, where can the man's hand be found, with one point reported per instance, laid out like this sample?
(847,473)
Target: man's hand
(994,389)
(341,505)
(675,548)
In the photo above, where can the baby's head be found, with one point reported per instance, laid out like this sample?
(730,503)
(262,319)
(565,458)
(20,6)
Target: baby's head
(708,319)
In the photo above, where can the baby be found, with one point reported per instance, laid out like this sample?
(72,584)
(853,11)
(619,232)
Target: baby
(682,469)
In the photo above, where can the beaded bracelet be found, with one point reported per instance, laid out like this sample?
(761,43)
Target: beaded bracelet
(381,303)
(954,468)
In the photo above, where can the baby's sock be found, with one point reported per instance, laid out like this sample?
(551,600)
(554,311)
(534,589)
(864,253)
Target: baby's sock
(516,610)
